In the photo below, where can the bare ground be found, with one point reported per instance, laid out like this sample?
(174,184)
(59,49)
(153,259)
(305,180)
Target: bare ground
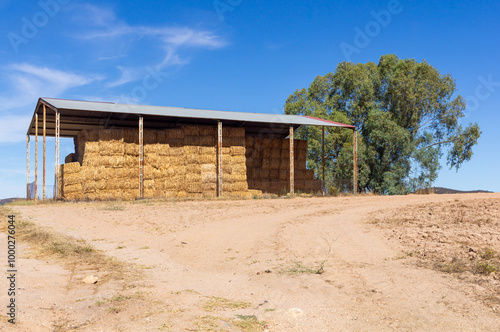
(307,264)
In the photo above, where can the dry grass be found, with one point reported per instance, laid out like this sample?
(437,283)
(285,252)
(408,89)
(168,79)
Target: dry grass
(219,303)
(457,237)
(298,268)
(76,254)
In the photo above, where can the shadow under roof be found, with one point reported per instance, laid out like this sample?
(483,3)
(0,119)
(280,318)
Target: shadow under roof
(78,115)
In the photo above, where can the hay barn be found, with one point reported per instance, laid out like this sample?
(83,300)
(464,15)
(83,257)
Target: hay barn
(128,152)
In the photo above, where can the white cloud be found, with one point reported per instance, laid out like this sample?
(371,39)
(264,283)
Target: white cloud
(26,83)
(106,28)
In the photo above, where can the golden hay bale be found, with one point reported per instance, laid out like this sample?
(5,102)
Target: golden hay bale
(209,186)
(72,178)
(209,194)
(211,150)
(275,163)
(227,187)
(169,194)
(71,168)
(239,186)
(131,136)
(208,168)
(101,184)
(237,150)
(193,169)
(150,136)
(239,168)
(90,147)
(176,151)
(174,134)
(164,149)
(209,177)
(167,173)
(106,135)
(112,161)
(226,151)
(91,160)
(152,159)
(149,193)
(207,159)
(238,160)
(74,188)
(90,196)
(226,160)
(181,194)
(192,140)
(274,174)
(131,161)
(74,196)
(227,169)
(149,184)
(194,187)
(151,148)
(126,172)
(131,149)
(111,148)
(207,141)
(193,178)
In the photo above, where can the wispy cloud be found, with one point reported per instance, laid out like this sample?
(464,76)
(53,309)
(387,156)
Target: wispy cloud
(27,83)
(160,46)
(13,128)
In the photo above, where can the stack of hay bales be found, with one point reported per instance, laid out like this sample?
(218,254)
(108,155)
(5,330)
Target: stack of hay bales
(268,164)
(71,187)
(234,170)
(179,162)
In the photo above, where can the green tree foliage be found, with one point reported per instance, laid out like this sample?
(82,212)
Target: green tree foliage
(407,115)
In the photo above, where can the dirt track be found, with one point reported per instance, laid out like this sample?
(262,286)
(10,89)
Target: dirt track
(190,252)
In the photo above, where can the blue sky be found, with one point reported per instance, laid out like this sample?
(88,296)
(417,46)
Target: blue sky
(236,55)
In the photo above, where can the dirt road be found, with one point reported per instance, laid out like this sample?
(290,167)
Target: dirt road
(307,264)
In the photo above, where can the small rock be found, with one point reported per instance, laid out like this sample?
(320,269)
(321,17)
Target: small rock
(91,279)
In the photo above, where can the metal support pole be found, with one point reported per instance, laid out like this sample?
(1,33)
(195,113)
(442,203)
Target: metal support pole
(44,133)
(323,156)
(292,164)
(219,159)
(56,174)
(27,167)
(141,157)
(355,161)
(36,157)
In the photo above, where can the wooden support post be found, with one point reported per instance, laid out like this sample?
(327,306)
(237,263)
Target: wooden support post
(292,164)
(141,157)
(219,159)
(36,157)
(323,157)
(44,133)
(56,163)
(355,161)
(27,167)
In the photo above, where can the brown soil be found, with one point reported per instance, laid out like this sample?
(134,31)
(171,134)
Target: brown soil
(307,264)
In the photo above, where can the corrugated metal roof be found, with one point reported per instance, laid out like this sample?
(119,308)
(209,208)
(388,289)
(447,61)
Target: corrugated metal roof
(88,113)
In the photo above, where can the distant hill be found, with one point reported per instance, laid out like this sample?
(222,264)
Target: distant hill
(441,190)
(7,200)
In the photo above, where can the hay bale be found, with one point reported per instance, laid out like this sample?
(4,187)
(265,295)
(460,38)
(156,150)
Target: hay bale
(131,161)
(276,144)
(207,141)
(209,177)
(181,194)
(209,194)
(233,132)
(239,168)
(150,136)
(208,130)
(191,131)
(301,154)
(266,163)
(309,174)
(72,178)
(167,173)
(301,144)
(126,172)
(285,164)
(239,186)
(285,154)
(176,161)
(131,149)
(91,135)
(194,187)
(249,141)
(284,174)
(111,148)
(176,151)
(207,159)
(264,173)
(90,148)
(71,168)
(209,187)
(71,158)
(238,160)
(257,163)
(131,136)
(192,140)
(274,174)
(73,188)
(275,163)
(266,153)
(174,134)
(112,161)
(152,159)
(237,150)
(151,148)
(161,137)
(163,149)
(300,185)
